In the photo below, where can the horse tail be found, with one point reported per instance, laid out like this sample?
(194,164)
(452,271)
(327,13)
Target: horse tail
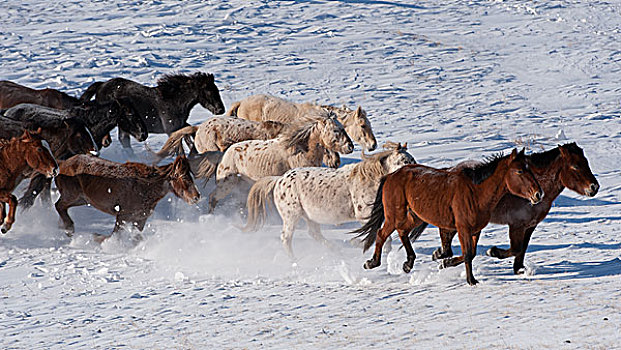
(259,198)
(233,111)
(375,220)
(207,164)
(90,91)
(174,143)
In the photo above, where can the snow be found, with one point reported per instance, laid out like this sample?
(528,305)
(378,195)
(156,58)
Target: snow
(457,80)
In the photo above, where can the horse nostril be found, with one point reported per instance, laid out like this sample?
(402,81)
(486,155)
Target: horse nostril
(538,196)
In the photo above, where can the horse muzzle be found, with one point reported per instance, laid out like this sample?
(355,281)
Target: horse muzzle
(592,190)
(94,153)
(536,198)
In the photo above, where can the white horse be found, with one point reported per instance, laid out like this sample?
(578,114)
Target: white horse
(252,160)
(267,107)
(324,195)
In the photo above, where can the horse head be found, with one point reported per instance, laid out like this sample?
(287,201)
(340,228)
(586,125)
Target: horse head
(208,93)
(575,172)
(333,135)
(181,181)
(38,154)
(79,138)
(520,180)
(358,127)
(397,157)
(128,118)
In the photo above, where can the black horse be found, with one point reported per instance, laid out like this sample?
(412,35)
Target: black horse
(65,138)
(100,118)
(166,107)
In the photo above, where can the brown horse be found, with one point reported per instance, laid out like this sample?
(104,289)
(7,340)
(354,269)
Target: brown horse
(19,156)
(455,199)
(128,191)
(12,94)
(560,167)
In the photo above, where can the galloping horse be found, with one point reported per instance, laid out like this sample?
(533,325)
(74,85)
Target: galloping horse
(267,107)
(18,157)
(164,108)
(252,160)
(128,191)
(454,199)
(324,195)
(12,94)
(560,167)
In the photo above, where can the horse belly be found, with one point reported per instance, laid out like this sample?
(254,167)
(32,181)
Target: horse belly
(113,196)
(329,205)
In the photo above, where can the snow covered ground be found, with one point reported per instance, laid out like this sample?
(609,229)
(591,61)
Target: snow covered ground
(459,80)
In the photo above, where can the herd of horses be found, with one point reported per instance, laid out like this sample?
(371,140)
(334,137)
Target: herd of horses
(273,149)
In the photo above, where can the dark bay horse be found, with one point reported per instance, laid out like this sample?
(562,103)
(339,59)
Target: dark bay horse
(12,94)
(100,118)
(166,107)
(19,156)
(454,199)
(560,167)
(128,191)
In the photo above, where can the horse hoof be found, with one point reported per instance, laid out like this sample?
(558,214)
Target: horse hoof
(519,271)
(407,267)
(370,264)
(472,281)
(4,230)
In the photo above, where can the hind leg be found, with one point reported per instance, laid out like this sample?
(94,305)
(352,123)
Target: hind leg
(314,230)
(7,197)
(69,197)
(446,237)
(518,263)
(288,227)
(382,235)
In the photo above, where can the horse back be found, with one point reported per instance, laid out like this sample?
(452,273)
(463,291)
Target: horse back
(83,164)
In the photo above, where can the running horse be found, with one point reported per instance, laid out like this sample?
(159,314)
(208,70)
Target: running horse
(555,169)
(456,199)
(12,94)
(18,157)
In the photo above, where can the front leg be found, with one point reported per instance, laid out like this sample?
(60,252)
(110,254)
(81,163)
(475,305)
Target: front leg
(518,263)
(36,185)
(9,198)
(125,140)
(446,251)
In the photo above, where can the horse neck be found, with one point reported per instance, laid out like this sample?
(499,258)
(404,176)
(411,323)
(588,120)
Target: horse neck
(549,178)
(181,104)
(13,160)
(488,193)
(98,124)
(316,148)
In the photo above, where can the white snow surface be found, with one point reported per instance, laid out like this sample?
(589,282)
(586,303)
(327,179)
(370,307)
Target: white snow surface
(456,80)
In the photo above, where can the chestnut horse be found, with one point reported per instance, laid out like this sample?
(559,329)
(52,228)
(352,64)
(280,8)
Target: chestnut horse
(12,94)
(128,191)
(455,199)
(164,108)
(560,167)
(19,156)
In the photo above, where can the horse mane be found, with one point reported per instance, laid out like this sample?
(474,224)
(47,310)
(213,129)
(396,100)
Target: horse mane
(542,159)
(171,85)
(481,171)
(371,168)
(299,138)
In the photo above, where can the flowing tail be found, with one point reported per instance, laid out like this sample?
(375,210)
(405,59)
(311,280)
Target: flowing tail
(204,165)
(258,200)
(91,91)
(173,145)
(233,111)
(369,230)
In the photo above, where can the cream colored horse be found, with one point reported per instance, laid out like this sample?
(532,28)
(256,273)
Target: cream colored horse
(323,195)
(252,160)
(267,107)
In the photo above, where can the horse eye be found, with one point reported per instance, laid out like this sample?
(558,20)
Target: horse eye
(573,167)
(519,172)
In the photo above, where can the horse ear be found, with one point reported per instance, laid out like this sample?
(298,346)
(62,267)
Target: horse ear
(405,146)
(358,111)
(38,131)
(514,154)
(522,151)
(210,78)
(27,136)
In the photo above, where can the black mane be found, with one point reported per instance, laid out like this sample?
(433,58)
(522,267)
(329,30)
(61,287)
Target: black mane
(172,84)
(543,159)
(482,171)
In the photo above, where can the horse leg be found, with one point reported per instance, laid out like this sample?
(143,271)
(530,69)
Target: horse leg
(516,237)
(36,185)
(223,188)
(62,206)
(518,263)
(46,192)
(470,251)
(382,234)
(2,212)
(9,198)
(314,230)
(404,235)
(446,237)
(288,227)
(124,139)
